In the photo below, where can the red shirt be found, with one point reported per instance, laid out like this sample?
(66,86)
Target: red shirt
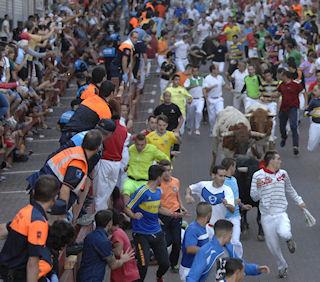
(113,146)
(290,95)
(129,271)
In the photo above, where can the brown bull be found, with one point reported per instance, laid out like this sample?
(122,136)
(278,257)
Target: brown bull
(235,141)
(261,121)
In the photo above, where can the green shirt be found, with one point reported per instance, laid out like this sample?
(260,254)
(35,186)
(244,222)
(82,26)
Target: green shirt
(139,163)
(252,86)
(296,56)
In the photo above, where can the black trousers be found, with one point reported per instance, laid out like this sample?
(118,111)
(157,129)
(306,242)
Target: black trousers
(157,243)
(172,230)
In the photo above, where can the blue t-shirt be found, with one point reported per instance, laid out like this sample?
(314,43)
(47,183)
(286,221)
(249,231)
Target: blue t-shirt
(96,248)
(78,138)
(146,202)
(233,184)
(195,235)
(65,117)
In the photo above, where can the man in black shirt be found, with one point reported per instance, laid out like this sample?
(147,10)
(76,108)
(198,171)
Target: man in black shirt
(172,111)
(218,54)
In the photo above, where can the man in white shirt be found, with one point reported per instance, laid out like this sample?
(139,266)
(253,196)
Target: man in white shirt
(269,186)
(5,29)
(237,78)
(194,85)
(193,13)
(212,85)
(181,48)
(215,193)
(203,29)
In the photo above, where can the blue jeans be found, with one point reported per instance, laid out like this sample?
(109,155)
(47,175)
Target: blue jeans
(292,116)
(4,105)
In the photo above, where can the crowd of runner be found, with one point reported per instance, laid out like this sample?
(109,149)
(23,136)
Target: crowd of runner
(263,53)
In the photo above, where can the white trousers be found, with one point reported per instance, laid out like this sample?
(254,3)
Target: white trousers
(163,84)
(181,64)
(183,272)
(236,231)
(273,108)
(275,226)
(220,66)
(238,99)
(214,106)
(106,174)
(160,59)
(314,136)
(248,102)
(194,113)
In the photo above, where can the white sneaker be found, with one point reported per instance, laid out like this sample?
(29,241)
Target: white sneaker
(189,132)
(197,132)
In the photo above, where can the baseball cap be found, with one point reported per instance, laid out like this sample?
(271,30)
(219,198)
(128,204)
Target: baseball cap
(106,125)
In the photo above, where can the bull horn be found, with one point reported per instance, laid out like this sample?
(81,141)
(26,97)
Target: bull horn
(271,115)
(257,134)
(243,169)
(249,115)
(227,133)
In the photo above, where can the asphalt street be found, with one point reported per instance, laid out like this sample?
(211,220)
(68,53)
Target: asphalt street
(191,166)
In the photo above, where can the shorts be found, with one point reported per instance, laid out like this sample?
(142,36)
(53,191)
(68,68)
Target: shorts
(130,186)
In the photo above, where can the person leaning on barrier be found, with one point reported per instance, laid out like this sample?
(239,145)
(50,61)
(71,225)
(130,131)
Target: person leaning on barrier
(70,167)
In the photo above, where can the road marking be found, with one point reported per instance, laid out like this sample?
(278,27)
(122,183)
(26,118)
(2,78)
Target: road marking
(19,172)
(14,192)
(44,140)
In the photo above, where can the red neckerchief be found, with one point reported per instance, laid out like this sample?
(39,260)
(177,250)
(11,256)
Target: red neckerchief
(269,171)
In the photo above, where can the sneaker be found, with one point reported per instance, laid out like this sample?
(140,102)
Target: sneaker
(197,132)
(189,132)
(291,246)
(283,273)
(295,151)
(283,142)
(175,269)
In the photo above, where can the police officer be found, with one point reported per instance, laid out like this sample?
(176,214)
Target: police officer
(90,111)
(70,167)
(28,232)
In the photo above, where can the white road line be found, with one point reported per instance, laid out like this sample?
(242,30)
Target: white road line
(14,192)
(44,140)
(19,172)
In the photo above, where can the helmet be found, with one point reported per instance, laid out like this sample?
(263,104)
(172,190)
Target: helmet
(80,66)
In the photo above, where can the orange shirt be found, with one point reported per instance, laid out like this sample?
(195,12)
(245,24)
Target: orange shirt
(169,195)
(162,47)
(298,9)
(183,78)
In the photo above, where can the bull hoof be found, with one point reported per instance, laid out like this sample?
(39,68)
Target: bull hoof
(260,237)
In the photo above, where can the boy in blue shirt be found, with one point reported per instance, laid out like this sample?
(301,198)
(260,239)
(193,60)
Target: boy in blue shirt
(195,237)
(144,208)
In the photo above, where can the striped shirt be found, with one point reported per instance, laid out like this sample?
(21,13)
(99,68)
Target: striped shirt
(269,91)
(235,52)
(270,189)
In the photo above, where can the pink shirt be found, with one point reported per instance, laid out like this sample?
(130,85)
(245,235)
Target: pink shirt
(129,271)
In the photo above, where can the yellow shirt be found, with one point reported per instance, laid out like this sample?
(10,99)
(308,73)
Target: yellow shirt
(162,142)
(179,96)
(231,31)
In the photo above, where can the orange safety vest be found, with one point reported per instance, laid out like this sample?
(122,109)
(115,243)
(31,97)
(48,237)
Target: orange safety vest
(59,164)
(90,91)
(36,232)
(125,45)
(98,105)
(134,22)
(44,268)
